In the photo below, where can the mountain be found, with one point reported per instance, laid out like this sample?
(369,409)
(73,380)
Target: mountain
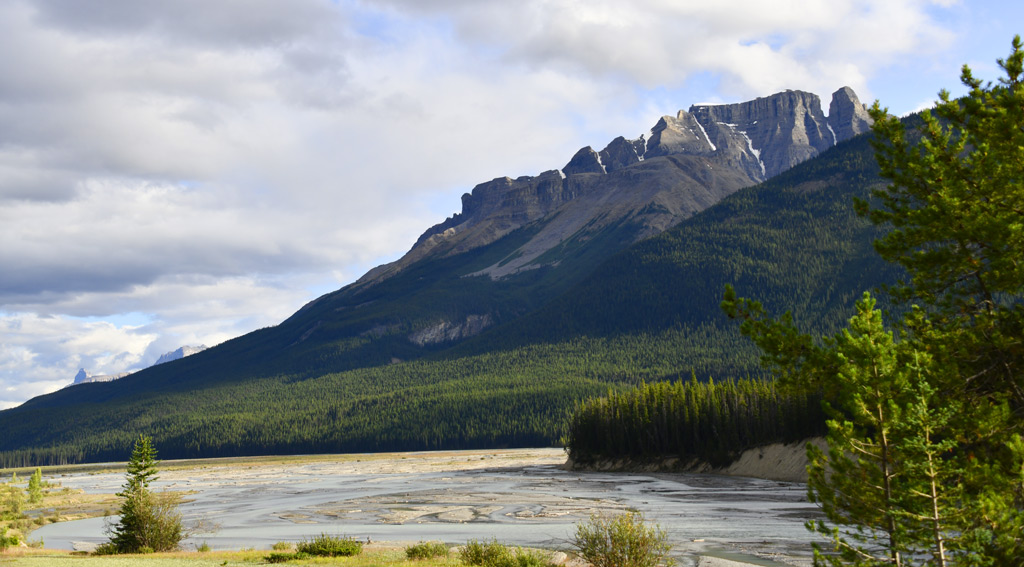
(684,164)
(542,291)
(84,377)
(180,352)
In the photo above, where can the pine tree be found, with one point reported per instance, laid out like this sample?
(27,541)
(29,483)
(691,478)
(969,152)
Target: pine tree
(957,207)
(926,459)
(148,521)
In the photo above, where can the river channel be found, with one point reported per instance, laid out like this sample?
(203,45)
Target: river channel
(519,497)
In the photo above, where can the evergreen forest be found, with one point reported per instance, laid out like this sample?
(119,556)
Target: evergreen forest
(691,420)
(320,382)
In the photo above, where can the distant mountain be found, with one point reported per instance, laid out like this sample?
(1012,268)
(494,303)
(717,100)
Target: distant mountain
(84,377)
(180,352)
(543,290)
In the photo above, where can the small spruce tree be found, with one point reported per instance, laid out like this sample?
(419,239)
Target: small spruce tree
(148,520)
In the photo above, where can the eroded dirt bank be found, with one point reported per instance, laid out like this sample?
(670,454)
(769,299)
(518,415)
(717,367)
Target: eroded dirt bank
(778,461)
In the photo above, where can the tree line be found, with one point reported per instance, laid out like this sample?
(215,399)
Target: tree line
(709,421)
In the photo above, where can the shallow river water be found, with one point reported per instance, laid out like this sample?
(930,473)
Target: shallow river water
(455,497)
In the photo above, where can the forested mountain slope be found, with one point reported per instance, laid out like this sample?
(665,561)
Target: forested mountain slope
(344,373)
(793,242)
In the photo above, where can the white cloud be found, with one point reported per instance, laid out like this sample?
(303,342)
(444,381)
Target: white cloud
(757,47)
(210,165)
(42,354)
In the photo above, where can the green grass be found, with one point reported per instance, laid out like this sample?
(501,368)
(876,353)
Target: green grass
(327,545)
(426,550)
(381,557)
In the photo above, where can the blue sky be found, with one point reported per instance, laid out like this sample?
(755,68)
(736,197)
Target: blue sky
(183,172)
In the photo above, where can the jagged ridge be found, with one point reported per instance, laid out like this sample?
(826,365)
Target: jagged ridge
(683,165)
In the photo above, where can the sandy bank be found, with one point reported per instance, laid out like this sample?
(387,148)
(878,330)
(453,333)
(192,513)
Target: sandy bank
(778,461)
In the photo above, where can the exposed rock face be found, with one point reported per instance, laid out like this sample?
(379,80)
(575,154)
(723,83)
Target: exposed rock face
(447,331)
(584,161)
(685,164)
(84,377)
(621,153)
(847,116)
(681,134)
(181,352)
(768,135)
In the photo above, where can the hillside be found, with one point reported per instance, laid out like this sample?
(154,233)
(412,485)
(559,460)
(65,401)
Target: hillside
(444,349)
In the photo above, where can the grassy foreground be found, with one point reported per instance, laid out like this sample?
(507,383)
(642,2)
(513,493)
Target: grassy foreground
(371,557)
(58,504)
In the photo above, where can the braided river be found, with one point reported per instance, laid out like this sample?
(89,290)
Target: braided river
(519,496)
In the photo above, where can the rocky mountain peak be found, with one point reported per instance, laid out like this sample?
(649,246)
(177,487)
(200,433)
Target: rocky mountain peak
(586,160)
(83,377)
(679,134)
(684,164)
(769,135)
(180,352)
(847,116)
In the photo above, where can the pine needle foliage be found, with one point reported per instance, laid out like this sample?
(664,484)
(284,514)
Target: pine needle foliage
(926,458)
(147,520)
(711,421)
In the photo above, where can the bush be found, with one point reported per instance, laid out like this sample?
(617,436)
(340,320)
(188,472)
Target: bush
(7,540)
(476,553)
(496,554)
(285,557)
(325,545)
(205,547)
(106,548)
(282,546)
(13,500)
(621,541)
(35,486)
(426,550)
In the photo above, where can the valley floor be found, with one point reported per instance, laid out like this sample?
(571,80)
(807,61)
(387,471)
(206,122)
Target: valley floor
(522,497)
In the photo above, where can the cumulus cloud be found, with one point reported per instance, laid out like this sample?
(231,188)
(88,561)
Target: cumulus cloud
(182,172)
(755,47)
(41,354)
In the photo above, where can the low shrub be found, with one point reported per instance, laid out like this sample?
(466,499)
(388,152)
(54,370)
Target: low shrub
(203,548)
(494,554)
(7,539)
(476,553)
(426,550)
(325,545)
(106,548)
(282,546)
(622,541)
(285,557)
